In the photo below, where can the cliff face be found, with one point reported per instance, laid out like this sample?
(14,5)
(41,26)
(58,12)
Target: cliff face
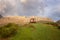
(21,19)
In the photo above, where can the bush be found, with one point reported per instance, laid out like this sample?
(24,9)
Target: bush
(52,23)
(8,30)
(58,27)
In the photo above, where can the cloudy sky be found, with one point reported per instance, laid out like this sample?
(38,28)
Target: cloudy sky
(45,8)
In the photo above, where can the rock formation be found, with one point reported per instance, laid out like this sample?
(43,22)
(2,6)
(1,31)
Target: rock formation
(21,19)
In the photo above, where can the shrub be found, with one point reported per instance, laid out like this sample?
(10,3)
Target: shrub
(58,27)
(52,23)
(8,30)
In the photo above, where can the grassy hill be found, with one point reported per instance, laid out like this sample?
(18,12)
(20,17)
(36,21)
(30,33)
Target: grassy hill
(37,31)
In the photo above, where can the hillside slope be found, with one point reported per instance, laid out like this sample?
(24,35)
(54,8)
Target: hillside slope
(37,31)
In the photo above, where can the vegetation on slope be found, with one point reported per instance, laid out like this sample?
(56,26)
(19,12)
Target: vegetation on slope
(8,30)
(35,31)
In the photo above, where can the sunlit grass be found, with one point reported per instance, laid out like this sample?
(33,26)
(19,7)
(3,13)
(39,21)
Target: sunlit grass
(38,31)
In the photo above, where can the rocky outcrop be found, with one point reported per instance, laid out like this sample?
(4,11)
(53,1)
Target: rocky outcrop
(21,19)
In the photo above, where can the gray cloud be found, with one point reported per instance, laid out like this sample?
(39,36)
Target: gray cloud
(30,8)
(7,8)
(54,12)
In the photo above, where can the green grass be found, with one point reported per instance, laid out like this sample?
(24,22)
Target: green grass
(37,31)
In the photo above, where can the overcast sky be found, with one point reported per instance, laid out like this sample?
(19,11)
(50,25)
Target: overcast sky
(45,8)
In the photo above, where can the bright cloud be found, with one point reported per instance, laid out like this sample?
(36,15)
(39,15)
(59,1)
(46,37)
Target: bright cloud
(23,1)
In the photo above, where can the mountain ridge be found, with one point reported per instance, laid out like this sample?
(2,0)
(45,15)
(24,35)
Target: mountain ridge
(22,19)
